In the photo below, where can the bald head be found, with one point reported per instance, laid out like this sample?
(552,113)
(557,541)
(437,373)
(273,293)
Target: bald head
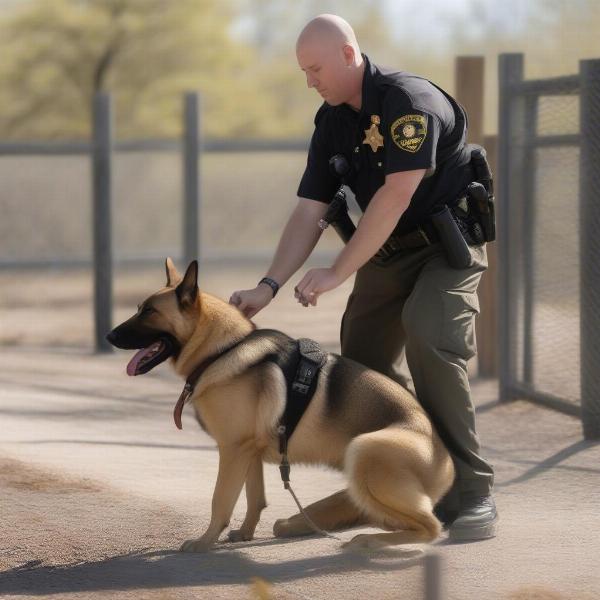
(327,51)
(329,31)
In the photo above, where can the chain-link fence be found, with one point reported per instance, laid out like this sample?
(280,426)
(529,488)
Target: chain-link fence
(549,284)
(46,203)
(107,201)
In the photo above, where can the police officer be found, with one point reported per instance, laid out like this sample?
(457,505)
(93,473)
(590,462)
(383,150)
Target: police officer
(405,141)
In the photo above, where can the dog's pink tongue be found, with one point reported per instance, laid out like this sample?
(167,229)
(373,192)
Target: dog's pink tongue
(135,361)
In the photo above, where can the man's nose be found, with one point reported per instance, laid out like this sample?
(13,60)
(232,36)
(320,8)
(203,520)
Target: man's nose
(310,81)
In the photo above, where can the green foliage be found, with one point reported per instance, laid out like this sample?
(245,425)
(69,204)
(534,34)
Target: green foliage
(58,53)
(240,55)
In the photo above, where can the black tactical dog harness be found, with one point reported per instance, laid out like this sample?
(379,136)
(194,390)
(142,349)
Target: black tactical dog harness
(300,364)
(300,361)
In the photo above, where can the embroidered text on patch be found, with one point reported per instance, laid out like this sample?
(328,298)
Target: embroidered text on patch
(409,131)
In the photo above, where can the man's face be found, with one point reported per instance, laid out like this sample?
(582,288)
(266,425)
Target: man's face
(326,70)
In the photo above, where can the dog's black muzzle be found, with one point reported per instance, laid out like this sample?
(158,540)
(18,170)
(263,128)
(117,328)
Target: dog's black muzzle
(133,336)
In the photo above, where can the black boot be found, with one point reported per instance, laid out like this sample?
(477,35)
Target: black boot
(476,520)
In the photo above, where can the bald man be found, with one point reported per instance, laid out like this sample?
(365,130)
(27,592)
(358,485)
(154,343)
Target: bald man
(405,141)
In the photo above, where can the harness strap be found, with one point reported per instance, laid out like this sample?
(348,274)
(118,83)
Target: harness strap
(304,367)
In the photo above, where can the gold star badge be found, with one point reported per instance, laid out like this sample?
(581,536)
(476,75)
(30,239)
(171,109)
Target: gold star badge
(372,135)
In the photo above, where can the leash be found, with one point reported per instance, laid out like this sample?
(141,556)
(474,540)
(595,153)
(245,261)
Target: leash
(284,469)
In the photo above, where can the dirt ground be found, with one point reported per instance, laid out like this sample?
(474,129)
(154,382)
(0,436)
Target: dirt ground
(98,488)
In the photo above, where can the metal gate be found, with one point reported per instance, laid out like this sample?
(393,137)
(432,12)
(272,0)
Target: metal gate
(549,239)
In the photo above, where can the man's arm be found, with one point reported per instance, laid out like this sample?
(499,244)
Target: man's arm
(298,239)
(382,215)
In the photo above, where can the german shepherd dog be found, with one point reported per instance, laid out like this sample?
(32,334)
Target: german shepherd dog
(358,421)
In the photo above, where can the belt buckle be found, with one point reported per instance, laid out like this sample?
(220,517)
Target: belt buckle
(424,235)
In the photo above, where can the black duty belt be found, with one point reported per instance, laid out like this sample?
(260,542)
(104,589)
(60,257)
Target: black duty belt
(424,235)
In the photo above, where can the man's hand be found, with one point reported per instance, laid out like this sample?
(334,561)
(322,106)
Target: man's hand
(314,283)
(252,301)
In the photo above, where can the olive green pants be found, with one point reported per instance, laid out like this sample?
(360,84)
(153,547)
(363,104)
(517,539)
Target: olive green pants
(417,308)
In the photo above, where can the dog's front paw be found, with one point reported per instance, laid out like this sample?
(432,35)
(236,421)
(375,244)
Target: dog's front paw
(240,535)
(197,545)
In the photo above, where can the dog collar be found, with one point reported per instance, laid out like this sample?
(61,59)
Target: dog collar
(192,380)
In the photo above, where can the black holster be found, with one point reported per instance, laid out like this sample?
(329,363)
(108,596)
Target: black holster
(337,216)
(480,194)
(452,239)
(471,218)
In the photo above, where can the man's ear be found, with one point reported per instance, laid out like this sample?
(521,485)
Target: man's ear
(349,54)
(173,276)
(187,290)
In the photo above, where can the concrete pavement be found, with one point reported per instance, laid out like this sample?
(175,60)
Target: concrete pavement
(98,489)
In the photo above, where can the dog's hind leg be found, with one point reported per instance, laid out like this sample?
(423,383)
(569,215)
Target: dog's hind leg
(255,499)
(334,512)
(386,484)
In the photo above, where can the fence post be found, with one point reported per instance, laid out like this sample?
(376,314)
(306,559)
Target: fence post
(488,326)
(469,91)
(102,184)
(510,72)
(433,576)
(529,206)
(589,249)
(469,85)
(191,159)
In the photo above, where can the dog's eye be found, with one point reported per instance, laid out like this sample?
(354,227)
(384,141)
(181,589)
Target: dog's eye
(145,310)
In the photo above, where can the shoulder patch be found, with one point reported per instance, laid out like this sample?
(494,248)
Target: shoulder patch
(409,131)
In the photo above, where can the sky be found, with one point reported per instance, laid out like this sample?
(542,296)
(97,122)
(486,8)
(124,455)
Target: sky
(429,24)
(429,16)
(506,16)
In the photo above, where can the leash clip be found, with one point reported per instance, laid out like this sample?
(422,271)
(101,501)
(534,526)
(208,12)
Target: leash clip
(284,469)
(188,388)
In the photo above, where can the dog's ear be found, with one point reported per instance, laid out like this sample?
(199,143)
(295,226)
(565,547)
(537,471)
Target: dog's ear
(173,276)
(187,290)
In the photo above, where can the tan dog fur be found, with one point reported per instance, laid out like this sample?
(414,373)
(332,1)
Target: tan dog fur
(396,473)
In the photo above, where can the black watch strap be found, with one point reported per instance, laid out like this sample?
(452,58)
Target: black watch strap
(271,283)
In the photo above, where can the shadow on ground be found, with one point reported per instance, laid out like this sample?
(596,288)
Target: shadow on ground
(171,569)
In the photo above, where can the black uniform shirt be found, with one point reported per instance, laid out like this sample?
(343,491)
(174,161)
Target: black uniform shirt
(422,128)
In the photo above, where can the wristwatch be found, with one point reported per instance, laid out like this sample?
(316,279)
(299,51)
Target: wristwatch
(271,283)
